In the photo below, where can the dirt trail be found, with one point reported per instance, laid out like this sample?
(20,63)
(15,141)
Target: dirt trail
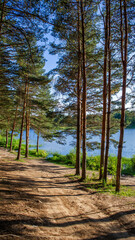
(37,201)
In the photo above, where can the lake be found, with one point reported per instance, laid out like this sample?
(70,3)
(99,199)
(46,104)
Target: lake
(128,148)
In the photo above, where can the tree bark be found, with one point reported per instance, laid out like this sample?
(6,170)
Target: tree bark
(124,43)
(104,98)
(84,93)
(27,124)
(22,124)
(2,14)
(12,134)
(37,141)
(6,138)
(27,134)
(78,148)
(109,95)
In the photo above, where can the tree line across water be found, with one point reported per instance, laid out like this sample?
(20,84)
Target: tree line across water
(129,118)
(95,67)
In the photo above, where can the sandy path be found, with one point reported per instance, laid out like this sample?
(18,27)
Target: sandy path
(37,201)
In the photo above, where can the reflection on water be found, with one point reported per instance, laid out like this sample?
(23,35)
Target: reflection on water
(128,148)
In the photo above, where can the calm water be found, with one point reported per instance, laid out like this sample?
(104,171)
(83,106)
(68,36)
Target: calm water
(128,148)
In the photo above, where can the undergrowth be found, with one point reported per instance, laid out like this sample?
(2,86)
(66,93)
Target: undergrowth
(99,186)
(92,162)
(15,144)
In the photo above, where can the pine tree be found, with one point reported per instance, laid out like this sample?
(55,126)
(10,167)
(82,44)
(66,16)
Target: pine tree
(78,145)
(109,93)
(68,65)
(124,42)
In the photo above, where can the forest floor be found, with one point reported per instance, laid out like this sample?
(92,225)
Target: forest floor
(38,201)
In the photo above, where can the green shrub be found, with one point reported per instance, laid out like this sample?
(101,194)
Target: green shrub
(15,144)
(133,162)
(93,162)
(2,141)
(56,158)
(40,153)
(128,166)
(69,159)
(112,165)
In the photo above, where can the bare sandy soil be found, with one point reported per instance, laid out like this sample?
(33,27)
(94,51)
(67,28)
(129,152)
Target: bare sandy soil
(37,201)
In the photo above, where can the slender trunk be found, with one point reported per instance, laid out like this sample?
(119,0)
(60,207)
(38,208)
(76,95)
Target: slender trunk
(27,125)
(124,44)
(6,138)
(37,141)
(84,93)
(22,124)
(104,99)
(12,134)
(27,134)
(81,120)
(109,95)
(2,14)
(78,149)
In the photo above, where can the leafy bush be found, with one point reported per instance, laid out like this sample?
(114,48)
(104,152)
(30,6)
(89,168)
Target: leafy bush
(2,141)
(15,143)
(68,159)
(40,153)
(71,158)
(133,162)
(128,166)
(93,162)
(112,165)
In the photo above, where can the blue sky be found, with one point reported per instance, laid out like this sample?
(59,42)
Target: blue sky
(51,60)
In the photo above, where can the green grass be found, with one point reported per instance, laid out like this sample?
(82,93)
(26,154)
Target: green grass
(99,187)
(127,167)
(66,160)
(92,162)
(32,152)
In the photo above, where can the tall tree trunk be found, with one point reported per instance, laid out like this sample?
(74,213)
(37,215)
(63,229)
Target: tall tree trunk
(81,120)
(22,124)
(2,14)
(84,93)
(12,133)
(6,138)
(124,43)
(104,97)
(27,134)
(27,124)
(109,95)
(37,141)
(78,148)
